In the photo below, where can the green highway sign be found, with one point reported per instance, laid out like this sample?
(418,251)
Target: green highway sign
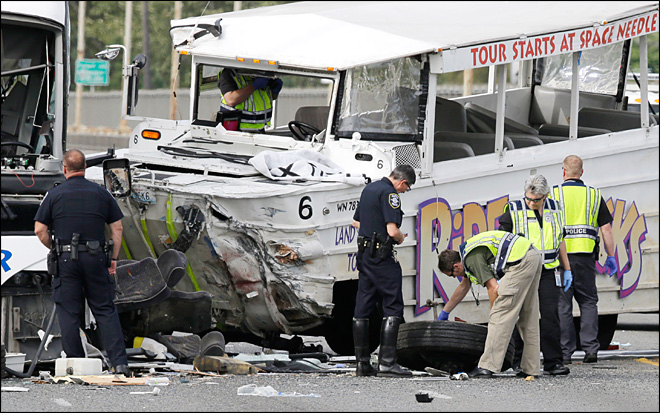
(92,72)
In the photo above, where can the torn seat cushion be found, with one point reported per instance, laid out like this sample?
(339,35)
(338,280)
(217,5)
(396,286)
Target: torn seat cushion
(139,284)
(172,265)
(184,347)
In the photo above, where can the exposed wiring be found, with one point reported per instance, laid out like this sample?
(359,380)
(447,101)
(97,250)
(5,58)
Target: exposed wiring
(190,38)
(19,178)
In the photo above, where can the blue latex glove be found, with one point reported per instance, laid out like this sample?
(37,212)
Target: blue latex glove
(260,82)
(278,86)
(568,280)
(443,316)
(610,266)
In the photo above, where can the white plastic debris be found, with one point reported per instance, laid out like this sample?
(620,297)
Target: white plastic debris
(459,376)
(268,391)
(254,390)
(155,392)
(157,381)
(17,389)
(41,334)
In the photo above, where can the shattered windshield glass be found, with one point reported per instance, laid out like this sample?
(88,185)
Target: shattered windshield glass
(382,98)
(22,48)
(598,70)
(25,81)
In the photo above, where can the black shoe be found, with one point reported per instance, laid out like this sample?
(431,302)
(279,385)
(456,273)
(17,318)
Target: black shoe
(556,370)
(523,374)
(122,369)
(479,373)
(590,358)
(393,371)
(568,361)
(364,370)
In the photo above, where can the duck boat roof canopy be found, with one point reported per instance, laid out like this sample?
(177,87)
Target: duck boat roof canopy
(457,35)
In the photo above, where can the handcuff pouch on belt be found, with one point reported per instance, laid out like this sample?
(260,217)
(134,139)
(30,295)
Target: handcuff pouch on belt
(51,259)
(107,248)
(74,246)
(379,246)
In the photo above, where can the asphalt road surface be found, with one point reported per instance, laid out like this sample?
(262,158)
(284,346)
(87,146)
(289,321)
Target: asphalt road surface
(613,384)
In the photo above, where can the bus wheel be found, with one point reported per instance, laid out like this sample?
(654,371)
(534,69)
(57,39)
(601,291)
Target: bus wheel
(338,330)
(444,345)
(606,328)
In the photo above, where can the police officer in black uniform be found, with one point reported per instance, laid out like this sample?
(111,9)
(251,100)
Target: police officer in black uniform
(378,218)
(77,211)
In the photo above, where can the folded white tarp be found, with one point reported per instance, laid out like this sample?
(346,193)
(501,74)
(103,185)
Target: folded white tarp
(301,164)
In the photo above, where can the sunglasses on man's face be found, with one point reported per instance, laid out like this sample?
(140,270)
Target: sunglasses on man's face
(534,199)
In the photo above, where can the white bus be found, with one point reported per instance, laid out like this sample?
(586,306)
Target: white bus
(35,84)
(277,250)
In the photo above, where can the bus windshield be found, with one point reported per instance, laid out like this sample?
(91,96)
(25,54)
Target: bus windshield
(381,101)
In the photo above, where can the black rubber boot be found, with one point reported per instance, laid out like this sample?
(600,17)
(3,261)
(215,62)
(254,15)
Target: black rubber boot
(387,366)
(123,369)
(361,342)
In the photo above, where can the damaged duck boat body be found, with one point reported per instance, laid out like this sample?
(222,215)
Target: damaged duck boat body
(264,218)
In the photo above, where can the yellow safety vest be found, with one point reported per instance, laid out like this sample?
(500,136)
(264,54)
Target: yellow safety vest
(525,223)
(580,204)
(257,110)
(505,246)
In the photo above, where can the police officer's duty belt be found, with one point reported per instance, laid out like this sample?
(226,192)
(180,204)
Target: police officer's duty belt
(81,248)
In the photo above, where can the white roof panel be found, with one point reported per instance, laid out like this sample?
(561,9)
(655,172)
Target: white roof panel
(51,10)
(347,34)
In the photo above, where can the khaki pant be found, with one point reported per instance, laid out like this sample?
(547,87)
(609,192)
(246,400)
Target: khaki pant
(517,304)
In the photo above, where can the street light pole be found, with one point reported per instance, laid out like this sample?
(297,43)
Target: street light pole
(109,54)
(128,20)
(81,55)
(174,78)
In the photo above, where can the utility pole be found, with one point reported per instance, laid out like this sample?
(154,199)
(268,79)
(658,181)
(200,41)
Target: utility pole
(81,55)
(174,78)
(238,5)
(145,43)
(128,26)
(468,81)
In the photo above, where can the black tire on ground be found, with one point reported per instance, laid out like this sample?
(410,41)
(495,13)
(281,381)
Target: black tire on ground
(606,329)
(445,345)
(338,330)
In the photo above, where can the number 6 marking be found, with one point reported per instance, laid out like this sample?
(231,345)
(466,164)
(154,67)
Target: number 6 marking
(305,211)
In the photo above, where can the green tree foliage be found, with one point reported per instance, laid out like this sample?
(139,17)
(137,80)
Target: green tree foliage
(652,42)
(104,25)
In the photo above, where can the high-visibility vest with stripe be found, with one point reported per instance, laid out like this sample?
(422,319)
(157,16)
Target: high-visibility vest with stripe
(580,204)
(505,246)
(257,110)
(547,240)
